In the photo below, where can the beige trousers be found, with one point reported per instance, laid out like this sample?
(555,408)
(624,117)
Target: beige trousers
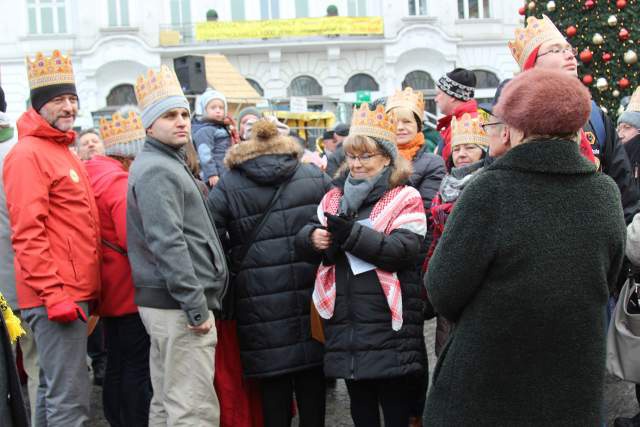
(181,364)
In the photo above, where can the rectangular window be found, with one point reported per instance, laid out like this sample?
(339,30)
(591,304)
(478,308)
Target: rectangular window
(302,8)
(46,16)
(417,7)
(269,9)
(473,9)
(118,13)
(180,12)
(237,10)
(357,8)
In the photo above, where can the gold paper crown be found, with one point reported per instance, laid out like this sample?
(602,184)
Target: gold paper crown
(467,130)
(634,102)
(536,32)
(375,124)
(121,130)
(407,98)
(157,86)
(47,71)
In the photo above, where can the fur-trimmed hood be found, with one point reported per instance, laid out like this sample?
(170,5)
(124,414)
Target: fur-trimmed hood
(267,156)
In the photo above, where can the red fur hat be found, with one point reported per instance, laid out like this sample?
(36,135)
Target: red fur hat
(544,102)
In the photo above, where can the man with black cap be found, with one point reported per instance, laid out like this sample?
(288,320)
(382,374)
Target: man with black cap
(335,159)
(56,238)
(454,98)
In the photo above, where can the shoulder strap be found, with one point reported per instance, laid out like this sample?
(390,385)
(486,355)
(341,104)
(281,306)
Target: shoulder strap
(597,122)
(244,250)
(115,247)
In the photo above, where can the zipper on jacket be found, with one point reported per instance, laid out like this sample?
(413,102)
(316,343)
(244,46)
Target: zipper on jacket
(352,368)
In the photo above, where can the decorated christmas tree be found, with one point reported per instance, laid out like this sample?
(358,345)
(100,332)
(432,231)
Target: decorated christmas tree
(606,34)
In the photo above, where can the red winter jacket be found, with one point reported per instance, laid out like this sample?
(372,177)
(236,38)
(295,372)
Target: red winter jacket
(109,181)
(54,218)
(444,127)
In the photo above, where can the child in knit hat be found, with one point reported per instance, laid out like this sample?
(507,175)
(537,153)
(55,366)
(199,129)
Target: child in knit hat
(212,136)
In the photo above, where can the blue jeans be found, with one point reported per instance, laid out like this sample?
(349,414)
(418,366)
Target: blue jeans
(126,392)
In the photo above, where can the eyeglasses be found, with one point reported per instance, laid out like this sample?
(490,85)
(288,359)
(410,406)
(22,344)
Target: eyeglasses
(364,158)
(484,126)
(563,50)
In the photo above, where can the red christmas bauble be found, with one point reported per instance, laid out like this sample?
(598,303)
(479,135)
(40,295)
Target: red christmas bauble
(521,11)
(589,4)
(587,79)
(571,31)
(606,57)
(624,83)
(621,4)
(586,56)
(624,34)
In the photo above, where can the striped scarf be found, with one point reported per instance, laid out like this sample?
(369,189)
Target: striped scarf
(398,208)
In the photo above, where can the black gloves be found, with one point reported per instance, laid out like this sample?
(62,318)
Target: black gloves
(339,226)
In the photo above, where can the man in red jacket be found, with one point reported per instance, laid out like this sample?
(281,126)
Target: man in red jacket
(454,97)
(56,238)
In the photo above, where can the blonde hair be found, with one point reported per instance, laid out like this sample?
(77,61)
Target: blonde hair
(403,113)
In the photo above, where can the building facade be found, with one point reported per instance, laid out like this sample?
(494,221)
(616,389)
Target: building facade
(113,41)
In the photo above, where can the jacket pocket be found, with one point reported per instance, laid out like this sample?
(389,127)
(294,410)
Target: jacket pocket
(74,267)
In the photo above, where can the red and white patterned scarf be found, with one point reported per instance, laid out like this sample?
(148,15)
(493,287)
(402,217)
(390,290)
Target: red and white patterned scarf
(398,208)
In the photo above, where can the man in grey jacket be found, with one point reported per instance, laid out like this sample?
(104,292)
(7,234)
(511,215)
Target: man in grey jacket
(177,261)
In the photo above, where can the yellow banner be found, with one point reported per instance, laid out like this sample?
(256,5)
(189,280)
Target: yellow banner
(337,25)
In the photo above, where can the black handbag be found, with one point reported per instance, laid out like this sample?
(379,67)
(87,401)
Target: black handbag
(236,259)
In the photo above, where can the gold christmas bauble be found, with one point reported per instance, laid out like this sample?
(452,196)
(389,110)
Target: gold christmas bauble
(602,84)
(630,57)
(551,6)
(612,21)
(531,5)
(615,93)
(597,39)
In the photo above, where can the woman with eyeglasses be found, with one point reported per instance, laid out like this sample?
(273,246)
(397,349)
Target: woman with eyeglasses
(469,146)
(368,233)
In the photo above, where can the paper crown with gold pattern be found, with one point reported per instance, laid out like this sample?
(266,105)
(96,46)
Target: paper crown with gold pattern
(467,130)
(158,92)
(123,135)
(375,124)
(409,99)
(49,76)
(536,32)
(634,102)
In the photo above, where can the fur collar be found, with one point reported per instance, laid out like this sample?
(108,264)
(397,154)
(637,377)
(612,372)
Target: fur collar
(244,151)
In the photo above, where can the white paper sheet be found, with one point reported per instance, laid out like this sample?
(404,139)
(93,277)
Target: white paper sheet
(359,266)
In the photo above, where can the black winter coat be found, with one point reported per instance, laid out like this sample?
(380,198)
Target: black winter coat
(428,171)
(615,163)
(273,288)
(523,268)
(360,343)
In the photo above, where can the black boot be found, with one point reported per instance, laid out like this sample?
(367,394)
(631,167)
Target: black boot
(627,422)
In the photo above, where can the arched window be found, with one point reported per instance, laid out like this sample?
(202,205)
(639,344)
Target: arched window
(256,86)
(422,81)
(304,86)
(418,80)
(122,95)
(361,82)
(486,79)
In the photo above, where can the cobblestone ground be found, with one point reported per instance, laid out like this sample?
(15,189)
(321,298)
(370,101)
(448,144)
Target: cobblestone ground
(620,397)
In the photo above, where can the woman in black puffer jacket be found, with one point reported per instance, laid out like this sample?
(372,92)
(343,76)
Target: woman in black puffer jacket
(273,286)
(373,316)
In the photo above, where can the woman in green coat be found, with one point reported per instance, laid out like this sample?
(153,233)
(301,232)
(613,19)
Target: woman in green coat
(523,269)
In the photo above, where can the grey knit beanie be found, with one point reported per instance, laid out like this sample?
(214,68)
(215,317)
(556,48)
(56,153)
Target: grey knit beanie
(630,117)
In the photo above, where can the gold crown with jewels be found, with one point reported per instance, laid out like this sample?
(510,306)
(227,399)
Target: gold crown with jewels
(121,130)
(154,86)
(536,32)
(375,124)
(46,71)
(407,98)
(634,102)
(468,130)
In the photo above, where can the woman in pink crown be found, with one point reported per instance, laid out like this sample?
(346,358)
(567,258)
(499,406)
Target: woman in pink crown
(368,233)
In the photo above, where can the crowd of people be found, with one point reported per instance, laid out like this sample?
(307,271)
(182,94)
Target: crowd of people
(233,272)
